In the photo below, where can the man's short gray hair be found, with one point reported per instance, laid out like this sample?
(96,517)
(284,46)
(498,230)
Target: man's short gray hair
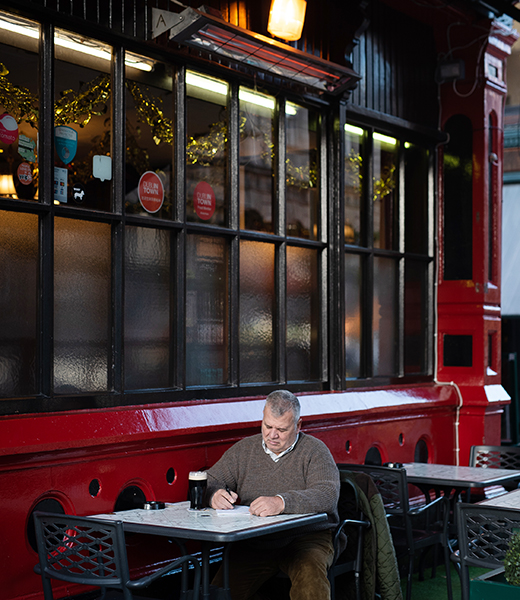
(281,401)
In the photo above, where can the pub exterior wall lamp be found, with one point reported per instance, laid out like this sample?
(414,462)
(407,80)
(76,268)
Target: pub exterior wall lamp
(286,18)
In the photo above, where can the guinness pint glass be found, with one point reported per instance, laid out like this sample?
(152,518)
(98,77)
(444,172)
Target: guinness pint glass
(198,480)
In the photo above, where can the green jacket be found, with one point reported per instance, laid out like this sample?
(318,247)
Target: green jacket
(380,569)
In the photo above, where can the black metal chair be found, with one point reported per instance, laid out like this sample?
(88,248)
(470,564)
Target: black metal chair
(483,533)
(88,551)
(413,529)
(353,525)
(493,457)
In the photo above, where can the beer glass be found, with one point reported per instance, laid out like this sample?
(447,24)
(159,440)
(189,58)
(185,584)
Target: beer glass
(198,480)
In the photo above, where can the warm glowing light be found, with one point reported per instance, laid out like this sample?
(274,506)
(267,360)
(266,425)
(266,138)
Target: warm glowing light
(286,19)
(91,47)
(385,139)
(206,83)
(353,129)
(7,186)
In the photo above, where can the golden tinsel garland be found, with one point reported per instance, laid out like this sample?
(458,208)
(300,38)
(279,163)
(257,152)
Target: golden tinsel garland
(148,109)
(19,102)
(80,108)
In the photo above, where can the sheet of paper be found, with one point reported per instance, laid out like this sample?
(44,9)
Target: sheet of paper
(233,512)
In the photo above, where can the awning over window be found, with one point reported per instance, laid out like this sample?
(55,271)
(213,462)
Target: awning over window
(245,49)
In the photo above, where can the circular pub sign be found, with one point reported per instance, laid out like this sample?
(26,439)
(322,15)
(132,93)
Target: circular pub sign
(151,191)
(204,200)
(24,173)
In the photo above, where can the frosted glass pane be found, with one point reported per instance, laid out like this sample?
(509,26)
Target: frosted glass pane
(353,285)
(257,301)
(303,315)
(415,317)
(354,177)
(206,310)
(384,317)
(147,308)
(82,324)
(18,305)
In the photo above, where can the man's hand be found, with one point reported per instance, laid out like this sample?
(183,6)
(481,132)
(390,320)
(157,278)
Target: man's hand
(223,500)
(267,506)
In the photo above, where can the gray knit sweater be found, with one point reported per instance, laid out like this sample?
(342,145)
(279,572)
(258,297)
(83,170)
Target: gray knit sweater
(307,477)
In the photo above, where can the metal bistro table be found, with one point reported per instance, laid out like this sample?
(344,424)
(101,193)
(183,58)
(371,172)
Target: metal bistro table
(208,527)
(509,500)
(452,480)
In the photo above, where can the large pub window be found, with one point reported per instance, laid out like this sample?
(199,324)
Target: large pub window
(164,233)
(387,255)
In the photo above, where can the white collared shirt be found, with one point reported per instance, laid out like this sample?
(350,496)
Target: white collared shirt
(277,457)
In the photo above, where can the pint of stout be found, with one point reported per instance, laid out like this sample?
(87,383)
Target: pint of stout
(198,481)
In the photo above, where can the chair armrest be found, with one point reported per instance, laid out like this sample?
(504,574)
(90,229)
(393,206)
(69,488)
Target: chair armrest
(426,507)
(339,529)
(143,582)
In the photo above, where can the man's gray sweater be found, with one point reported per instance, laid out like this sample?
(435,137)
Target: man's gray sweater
(307,477)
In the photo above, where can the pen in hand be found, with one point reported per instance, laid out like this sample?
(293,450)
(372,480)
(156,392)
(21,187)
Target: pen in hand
(229,492)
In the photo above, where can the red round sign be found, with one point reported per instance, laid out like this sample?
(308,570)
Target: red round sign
(24,173)
(204,200)
(151,191)
(8,128)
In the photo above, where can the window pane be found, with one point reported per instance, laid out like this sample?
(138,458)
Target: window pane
(385,175)
(19,108)
(256,160)
(353,286)
(18,304)
(149,138)
(416,199)
(384,317)
(303,315)
(206,311)
(82,305)
(354,176)
(415,317)
(302,177)
(147,308)
(206,149)
(82,129)
(257,302)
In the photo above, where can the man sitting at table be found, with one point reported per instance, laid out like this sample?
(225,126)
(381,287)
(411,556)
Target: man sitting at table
(280,470)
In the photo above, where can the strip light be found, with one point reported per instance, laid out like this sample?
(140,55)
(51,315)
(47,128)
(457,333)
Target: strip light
(354,130)
(93,49)
(220,87)
(385,139)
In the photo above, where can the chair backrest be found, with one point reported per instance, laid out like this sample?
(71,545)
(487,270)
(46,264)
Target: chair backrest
(495,457)
(484,533)
(81,550)
(391,484)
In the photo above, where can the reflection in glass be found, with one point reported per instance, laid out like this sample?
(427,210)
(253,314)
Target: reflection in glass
(353,286)
(149,140)
(257,305)
(384,317)
(18,307)
(206,310)
(256,161)
(303,315)
(301,172)
(147,308)
(354,176)
(206,149)
(416,198)
(385,176)
(20,108)
(82,305)
(82,123)
(415,317)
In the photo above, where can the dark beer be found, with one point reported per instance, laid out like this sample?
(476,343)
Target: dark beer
(198,481)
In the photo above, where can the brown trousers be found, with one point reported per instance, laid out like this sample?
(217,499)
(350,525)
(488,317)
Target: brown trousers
(305,560)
